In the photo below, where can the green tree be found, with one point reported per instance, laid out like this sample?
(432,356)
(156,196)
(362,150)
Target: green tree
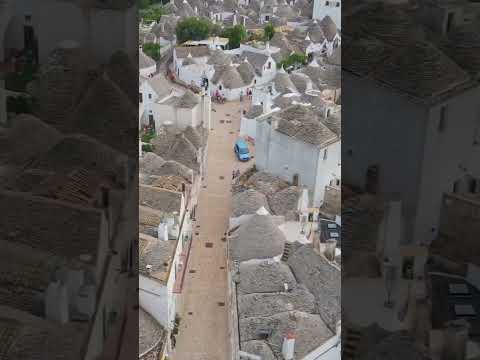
(269,31)
(151,14)
(236,35)
(152,50)
(293,59)
(193,28)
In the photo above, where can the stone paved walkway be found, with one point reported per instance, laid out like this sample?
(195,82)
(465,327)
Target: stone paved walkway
(203,333)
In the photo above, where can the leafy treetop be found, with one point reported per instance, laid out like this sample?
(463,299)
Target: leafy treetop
(193,28)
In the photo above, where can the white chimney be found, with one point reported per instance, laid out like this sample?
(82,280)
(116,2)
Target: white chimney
(85,300)
(163,232)
(330,248)
(196,10)
(73,280)
(288,347)
(392,231)
(267,105)
(267,47)
(56,303)
(234,19)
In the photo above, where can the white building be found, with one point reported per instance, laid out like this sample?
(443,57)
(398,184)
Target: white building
(415,139)
(200,55)
(100,28)
(300,146)
(152,89)
(162,213)
(183,110)
(332,8)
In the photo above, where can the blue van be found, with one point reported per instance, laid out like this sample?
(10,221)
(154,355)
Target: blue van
(241,149)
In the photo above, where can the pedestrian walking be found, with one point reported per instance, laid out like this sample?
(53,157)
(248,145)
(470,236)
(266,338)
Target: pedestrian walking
(233,174)
(237,173)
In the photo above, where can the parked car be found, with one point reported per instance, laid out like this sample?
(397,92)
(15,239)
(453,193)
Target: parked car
(241,149)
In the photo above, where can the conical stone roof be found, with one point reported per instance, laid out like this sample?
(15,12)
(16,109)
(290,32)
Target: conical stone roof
(258,238)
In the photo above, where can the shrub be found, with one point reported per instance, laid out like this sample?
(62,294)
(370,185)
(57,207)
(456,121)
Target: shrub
(152,50)
(147,147)
(193,28)
(268,31)
(236,35)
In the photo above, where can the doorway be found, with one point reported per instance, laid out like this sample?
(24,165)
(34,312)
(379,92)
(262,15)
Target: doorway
(372,179)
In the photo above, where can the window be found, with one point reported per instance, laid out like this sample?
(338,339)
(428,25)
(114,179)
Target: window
(151,121)
(472,186)
(450,21)
(141,97)
(456,185)
(269,65)
(267,18)
(149,96)
(337,4)
(325,154)
(220,87)
(327,3)
(443,119)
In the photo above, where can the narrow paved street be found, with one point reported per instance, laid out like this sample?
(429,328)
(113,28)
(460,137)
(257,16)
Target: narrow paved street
(203,333)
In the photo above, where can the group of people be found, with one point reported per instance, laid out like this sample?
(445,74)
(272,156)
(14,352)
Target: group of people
(249,94)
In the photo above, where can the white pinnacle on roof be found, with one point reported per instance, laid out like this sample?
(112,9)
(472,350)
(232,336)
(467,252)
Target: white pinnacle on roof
(262,211)
(189,55)
(245,60)
(307,38)
(314,63)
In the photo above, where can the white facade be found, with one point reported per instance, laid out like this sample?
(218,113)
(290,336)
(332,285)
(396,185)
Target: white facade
(195,73)
(200,114)
(285,157)
(420,153)
(101,31)
(332,8)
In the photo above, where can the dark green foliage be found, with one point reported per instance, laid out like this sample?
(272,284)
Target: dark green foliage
(269,31)
(148,136)
(152,50)
(236,35)
(294,59)
(147,147)
(151,14)
(193,28)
